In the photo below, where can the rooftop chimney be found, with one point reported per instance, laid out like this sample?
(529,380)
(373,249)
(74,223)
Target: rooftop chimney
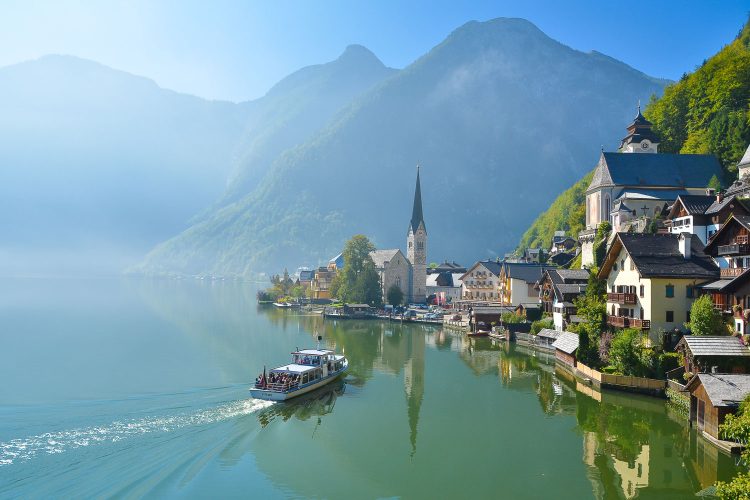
(683,244)
(719,196)
(710,191)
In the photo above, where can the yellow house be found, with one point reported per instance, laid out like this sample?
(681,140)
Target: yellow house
(652,280)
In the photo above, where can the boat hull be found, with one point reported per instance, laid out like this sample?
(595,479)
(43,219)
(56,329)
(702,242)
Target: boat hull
(269,395)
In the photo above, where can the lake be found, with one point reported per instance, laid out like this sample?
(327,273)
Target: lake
(132,387)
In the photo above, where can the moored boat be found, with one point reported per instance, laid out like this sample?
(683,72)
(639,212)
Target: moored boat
(309,370)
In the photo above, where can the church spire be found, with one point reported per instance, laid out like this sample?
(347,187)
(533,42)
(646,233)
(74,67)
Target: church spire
(416,213)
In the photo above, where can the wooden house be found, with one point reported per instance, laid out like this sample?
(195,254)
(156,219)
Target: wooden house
(566,346)
(713,397)
(707,353)
(546,337)
(558,289)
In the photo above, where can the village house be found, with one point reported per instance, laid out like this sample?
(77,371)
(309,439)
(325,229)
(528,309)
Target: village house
(709,353)
(713,396)
(561,243)
(634,186)
(445,287)
(481,282)
(703,215)
(305,278)
(320,286)
(517,282)
(558,288)
(652,280)
(730,248)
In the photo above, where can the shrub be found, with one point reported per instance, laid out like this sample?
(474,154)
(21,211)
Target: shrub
(624,353)
(538,325)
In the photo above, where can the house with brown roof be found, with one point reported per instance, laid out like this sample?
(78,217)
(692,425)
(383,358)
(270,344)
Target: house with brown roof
(652,280)
(558,289)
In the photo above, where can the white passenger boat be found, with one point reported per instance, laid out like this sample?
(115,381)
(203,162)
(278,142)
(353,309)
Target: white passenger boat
(309,369)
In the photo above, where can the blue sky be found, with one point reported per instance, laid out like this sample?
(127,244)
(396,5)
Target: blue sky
(236,50)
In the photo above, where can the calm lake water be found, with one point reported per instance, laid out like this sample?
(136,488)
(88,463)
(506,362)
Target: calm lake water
(132,387)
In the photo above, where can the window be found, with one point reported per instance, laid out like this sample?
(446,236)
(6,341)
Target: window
(689,292)
(632,265)
(670,316)
(622,264)
(614,266)
(670,291)
(643,290)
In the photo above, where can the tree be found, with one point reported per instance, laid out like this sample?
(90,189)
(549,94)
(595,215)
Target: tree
(737,428)
(359,281)
(714,183)
(625,350)
(538,325)
(592,307)
(394,295)
(704,318)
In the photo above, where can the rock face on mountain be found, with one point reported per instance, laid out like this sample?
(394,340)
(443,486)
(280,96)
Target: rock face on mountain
(500,116)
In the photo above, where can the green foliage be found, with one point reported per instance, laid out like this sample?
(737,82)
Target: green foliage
(394,295)
(707,111)
(359,281)
(567,213)
(509,318)
(714,183)
(704,318)
(540,324)
(625,351)
(592,307)
(737,428)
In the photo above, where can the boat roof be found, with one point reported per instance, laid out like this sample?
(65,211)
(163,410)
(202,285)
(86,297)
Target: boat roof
(314,352)
(294,368)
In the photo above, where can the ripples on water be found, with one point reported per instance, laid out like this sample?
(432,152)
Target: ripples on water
(23,449)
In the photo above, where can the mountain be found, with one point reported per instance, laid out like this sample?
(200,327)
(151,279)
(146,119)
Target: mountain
(96,159)
(706,112)
(295,108)
(99,165)
(499,115)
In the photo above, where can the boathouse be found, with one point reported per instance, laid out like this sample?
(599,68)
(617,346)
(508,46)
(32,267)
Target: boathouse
(546,337)
(566,346)
(713,397)
(711,353)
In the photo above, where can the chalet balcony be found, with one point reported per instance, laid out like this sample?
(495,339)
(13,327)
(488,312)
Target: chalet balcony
(621,298)
(731,272)
(733,249)
(623,322)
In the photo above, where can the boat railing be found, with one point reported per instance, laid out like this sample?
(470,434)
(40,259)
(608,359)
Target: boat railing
(281,386)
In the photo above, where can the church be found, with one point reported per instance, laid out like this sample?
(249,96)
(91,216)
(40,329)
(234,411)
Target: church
(408,272)
(638,183)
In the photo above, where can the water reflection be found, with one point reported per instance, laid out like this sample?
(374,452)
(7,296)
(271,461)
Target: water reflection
(317,403)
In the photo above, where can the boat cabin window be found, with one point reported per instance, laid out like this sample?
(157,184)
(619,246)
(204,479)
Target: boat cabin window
(304,378)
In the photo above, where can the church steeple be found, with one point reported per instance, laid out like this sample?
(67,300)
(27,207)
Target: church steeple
(416,214)
(640,138)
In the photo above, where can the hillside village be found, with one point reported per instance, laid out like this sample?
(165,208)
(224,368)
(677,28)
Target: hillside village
(659,244)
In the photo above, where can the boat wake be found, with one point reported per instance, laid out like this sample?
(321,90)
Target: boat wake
(21,450)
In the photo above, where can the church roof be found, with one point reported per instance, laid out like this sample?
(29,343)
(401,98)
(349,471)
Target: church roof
(745,161)
(416,214)
(639,130)
(380,257)
(655,170)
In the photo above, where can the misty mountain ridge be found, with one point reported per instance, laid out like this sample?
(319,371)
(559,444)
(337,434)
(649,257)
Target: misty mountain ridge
(502,118)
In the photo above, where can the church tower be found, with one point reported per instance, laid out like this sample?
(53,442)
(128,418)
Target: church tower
(640,138)
(416,249)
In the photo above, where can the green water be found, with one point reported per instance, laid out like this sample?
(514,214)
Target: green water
(135,387)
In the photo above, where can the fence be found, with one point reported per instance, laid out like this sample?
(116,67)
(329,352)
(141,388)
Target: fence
(622,381)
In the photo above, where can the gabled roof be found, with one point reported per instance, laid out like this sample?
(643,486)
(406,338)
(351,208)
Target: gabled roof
(723,389)
(573,275)
(567,342)
(658,256)
(526,271)
(306,275)
(655,170)
(713,345)
(732,201)
(549,333)
(491,265)
(745,161)
(380,257)
(742,220)
(693,204)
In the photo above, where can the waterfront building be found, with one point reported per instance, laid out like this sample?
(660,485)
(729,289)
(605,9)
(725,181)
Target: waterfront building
(634,186)
(320,286)
(713,396)
(566,346)
(558,289)
(709,353)
(444,286)
(306,277)
(517,281)
(481,281)
(652,280)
